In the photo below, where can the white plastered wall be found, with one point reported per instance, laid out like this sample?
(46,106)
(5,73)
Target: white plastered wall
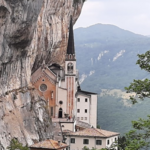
(111,141)
(93,111)
(78,145)
(63,84)
(68,126)
(82,105)
(62,96)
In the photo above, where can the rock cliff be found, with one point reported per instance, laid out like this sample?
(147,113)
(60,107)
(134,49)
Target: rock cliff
(32,32)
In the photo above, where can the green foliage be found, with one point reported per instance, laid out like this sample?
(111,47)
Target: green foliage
(98,126)
(141,87)
(122,143)
(135,141)
(111,148)
(15,144)
(108,148)
(139,138)
(144,60)
(85,148)
(93,148)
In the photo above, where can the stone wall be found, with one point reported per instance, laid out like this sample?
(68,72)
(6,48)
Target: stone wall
(32,32)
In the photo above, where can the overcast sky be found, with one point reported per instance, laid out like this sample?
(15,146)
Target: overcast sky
(132,15)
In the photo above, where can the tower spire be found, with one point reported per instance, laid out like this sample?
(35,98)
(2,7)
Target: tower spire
(70,48)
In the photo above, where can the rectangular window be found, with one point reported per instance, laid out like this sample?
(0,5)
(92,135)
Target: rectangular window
(85,141)
(85,118)
(81,118)
(98,142)
(86,100)
(78,118)
(78,110)
(51,111)
(107,142)
(85,110)
(72,140)
(78,99)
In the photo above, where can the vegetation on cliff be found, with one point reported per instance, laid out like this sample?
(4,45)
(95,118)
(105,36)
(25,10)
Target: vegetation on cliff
(15,144)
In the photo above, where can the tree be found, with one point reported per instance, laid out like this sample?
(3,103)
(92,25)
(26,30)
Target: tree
(121,143)
(15,144)
(141,87)
(140,137)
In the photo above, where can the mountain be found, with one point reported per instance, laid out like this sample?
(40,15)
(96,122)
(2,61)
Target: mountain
(106,59)
(106,56)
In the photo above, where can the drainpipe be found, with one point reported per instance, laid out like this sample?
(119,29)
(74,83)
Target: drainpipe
(56,101)
(95,142)
(90,110)
(69,142)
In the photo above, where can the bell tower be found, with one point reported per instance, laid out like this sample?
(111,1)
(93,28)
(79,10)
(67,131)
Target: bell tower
(70,73)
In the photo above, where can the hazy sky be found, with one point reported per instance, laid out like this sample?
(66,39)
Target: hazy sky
(132,15)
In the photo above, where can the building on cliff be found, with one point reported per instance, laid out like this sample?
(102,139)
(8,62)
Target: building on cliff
(91,138)
(60,87)
(73,111)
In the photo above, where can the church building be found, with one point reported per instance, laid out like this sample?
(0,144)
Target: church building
(60,88)
(73,111)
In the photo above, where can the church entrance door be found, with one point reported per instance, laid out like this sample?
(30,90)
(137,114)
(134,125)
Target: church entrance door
(60,113)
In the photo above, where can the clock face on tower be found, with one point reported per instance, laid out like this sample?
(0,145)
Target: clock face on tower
(70,68)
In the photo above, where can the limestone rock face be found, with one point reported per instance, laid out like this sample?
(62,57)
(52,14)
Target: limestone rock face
(32,32)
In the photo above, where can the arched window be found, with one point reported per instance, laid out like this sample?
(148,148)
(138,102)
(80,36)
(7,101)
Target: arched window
(70,57)
(70,68)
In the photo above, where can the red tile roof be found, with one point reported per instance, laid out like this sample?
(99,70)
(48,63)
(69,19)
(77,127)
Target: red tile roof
(83,124)
(49,144)
(94,132)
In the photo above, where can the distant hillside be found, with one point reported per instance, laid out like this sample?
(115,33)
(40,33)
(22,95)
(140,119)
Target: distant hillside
(106,56)
(106,59)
